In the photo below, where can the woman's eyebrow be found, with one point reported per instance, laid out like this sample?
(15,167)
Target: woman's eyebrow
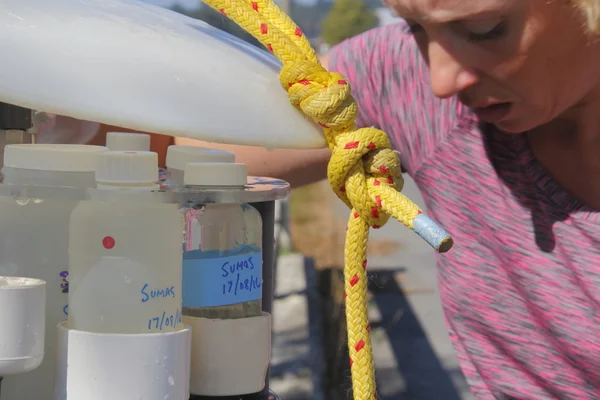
(454,11)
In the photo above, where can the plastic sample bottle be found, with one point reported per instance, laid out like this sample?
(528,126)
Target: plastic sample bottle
(34,239)
(126,141)
(222,261)
(125,253)
(179,156)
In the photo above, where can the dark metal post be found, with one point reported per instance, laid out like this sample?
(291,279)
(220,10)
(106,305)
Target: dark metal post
(267,212)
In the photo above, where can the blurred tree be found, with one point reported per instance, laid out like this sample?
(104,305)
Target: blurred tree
(216,19)
(347,18)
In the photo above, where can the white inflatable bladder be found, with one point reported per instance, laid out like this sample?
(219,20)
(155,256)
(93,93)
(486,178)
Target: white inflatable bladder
(131,64)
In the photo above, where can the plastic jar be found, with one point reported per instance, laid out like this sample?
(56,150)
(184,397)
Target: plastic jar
(34,239)
(179,156)
(125,255)
(222,261)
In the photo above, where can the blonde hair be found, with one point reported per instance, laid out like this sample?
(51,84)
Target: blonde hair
(590,10)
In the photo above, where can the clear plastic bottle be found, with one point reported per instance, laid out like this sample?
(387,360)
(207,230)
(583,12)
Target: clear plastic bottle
(125,253)
(178,156)
(222,261)
(34,237)
(127,141)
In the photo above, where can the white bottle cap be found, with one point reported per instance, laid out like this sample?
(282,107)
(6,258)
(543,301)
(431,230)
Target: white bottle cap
(127,167)
(178,156)
(215,174)
(124,141)
(52,157)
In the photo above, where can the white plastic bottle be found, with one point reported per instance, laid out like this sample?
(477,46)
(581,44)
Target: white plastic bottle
(178,156)
(222,267)
(34,239)
(126,141)
(125,252)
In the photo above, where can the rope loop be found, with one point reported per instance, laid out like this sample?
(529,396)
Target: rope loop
(324,96)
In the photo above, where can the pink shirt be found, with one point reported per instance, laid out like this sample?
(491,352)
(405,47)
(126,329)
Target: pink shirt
(521,287)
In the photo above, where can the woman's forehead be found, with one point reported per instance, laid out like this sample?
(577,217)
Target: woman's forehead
(448,10)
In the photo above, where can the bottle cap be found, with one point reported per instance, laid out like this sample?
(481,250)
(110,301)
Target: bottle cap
(53,157)
(125,141)
(127,167)
(215,174)
(178,156)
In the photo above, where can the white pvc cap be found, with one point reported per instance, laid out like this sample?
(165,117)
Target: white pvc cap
(127,167)
(53,157)
(22,331)
(178,156)
(215,174)
(229,356)
(101,366)
(125,141)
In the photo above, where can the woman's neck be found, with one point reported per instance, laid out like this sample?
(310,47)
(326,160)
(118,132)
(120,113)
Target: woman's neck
(569,149)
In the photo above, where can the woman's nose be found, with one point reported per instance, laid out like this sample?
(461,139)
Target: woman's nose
(448,77)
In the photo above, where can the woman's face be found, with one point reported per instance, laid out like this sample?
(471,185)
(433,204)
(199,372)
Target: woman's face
(518,63)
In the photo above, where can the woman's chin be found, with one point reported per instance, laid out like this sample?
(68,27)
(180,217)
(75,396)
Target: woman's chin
(514,126)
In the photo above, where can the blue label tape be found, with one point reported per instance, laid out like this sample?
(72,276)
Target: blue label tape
(221,281)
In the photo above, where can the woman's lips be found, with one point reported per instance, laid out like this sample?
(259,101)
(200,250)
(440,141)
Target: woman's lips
(493,113)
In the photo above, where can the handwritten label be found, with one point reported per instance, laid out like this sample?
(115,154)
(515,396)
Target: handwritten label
(161,293)
(165,321)
(64,288)
(210,282)
(64,285)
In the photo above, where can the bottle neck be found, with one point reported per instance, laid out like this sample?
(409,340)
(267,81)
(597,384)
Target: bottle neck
(142,187)
(19,176)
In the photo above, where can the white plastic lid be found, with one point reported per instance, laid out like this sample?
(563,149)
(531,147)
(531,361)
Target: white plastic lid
(178,156)
(125,141)
(127,167)
(53,157)
(215,174)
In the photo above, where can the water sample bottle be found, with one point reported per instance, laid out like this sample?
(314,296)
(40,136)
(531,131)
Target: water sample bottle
(126,141)
(125,253)
(34,238)
(222,266)
(178,156)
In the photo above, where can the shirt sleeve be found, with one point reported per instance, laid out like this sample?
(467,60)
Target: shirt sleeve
(390,83)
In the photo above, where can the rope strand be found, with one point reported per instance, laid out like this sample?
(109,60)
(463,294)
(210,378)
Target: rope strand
(363,171)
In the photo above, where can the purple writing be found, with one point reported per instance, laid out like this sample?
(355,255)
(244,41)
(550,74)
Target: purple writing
(165,321)
(231,268)
(239,284)
(149,294)
(64,284)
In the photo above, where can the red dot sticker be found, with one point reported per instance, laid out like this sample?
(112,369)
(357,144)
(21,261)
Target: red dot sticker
(108,242)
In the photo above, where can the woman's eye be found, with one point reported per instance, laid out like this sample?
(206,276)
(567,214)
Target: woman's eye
(475,31)
(482,31)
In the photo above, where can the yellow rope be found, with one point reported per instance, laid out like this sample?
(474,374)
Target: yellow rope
(363,171)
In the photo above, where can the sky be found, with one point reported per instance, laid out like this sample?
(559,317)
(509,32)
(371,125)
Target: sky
(385,17)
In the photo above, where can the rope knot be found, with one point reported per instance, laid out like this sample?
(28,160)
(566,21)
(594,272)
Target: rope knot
(324,96)
(362,165)
(365,172)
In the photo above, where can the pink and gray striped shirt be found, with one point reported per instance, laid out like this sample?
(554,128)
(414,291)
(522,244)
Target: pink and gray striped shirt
(521,287)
